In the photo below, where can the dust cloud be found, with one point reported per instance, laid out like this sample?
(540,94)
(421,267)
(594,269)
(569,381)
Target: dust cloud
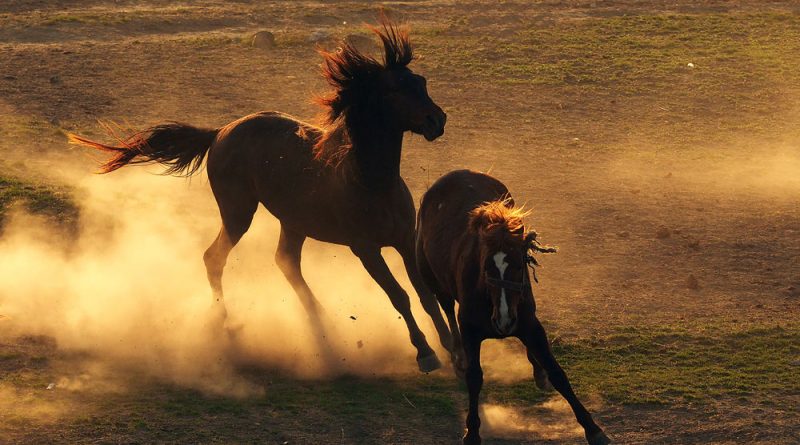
(553,420)
(131,293)
(753,170)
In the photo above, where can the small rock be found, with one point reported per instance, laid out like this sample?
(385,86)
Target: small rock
(668,175)
(360,344)
(623,234)
(9,78)
(55,80)
(693,244)
(263,40)
(692,283)
(352,317)
(663,233)
(690,65)
(319,35)
(51,386)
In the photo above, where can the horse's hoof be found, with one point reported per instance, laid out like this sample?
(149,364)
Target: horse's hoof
(471,439)
(429,363)
(598,438)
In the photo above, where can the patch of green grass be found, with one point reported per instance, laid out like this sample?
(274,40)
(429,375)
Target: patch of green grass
(668,364)
(636,53)
(37,198)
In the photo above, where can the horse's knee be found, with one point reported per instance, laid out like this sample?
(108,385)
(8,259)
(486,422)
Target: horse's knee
(474,375)
(399,299)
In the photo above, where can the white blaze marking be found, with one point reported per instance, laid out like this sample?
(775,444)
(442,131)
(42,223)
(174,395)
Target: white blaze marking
(500,262)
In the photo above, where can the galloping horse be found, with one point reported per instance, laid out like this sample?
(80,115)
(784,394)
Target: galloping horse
(472,247)
(340,183)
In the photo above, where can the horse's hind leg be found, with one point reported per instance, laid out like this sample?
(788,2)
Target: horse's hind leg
(427,298)
(538,347)
(237,212)
(372,260)
(287,257)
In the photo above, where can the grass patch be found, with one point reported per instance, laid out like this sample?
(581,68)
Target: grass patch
(38,198)
(663,365)
(634,53)
(632,365)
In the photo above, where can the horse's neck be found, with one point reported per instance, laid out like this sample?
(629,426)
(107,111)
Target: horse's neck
(376,156)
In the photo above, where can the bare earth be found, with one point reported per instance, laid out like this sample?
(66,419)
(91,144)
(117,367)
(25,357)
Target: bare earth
(673,192)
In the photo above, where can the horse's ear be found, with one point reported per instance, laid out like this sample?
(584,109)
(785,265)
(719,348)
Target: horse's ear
(530,237)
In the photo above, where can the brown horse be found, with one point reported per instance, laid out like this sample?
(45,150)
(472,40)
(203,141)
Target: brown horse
(340,183)
(472,247)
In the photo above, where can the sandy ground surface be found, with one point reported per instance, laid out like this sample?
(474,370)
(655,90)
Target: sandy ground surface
(650,175)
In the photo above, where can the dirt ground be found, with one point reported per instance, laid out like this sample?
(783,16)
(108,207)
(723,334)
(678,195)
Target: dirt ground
(657,143)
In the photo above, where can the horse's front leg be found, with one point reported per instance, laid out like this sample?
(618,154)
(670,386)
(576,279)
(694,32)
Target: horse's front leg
(474,377)
(457,355)
(539,374)
(372,260)
(535,340)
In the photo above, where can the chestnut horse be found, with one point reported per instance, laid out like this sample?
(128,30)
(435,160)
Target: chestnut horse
(339,183)
(472,248)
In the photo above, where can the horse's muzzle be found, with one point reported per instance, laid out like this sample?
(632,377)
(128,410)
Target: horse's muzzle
(434,125)
(504,330)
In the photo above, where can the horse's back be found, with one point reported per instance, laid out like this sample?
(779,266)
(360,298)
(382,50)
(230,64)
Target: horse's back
(255,139)
(450,199)
(442,226)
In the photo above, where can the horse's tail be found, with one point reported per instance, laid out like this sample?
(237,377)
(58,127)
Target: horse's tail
(179,147)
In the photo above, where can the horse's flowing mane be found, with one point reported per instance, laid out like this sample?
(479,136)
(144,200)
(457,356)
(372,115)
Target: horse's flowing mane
(498,222)
(352,75)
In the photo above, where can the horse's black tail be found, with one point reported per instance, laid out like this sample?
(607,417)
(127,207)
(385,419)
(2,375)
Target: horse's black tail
(179,147)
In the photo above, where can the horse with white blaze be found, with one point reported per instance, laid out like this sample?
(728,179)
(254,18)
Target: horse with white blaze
(473,248)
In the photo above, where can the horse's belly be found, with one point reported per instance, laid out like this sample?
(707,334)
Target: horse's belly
(340,224)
